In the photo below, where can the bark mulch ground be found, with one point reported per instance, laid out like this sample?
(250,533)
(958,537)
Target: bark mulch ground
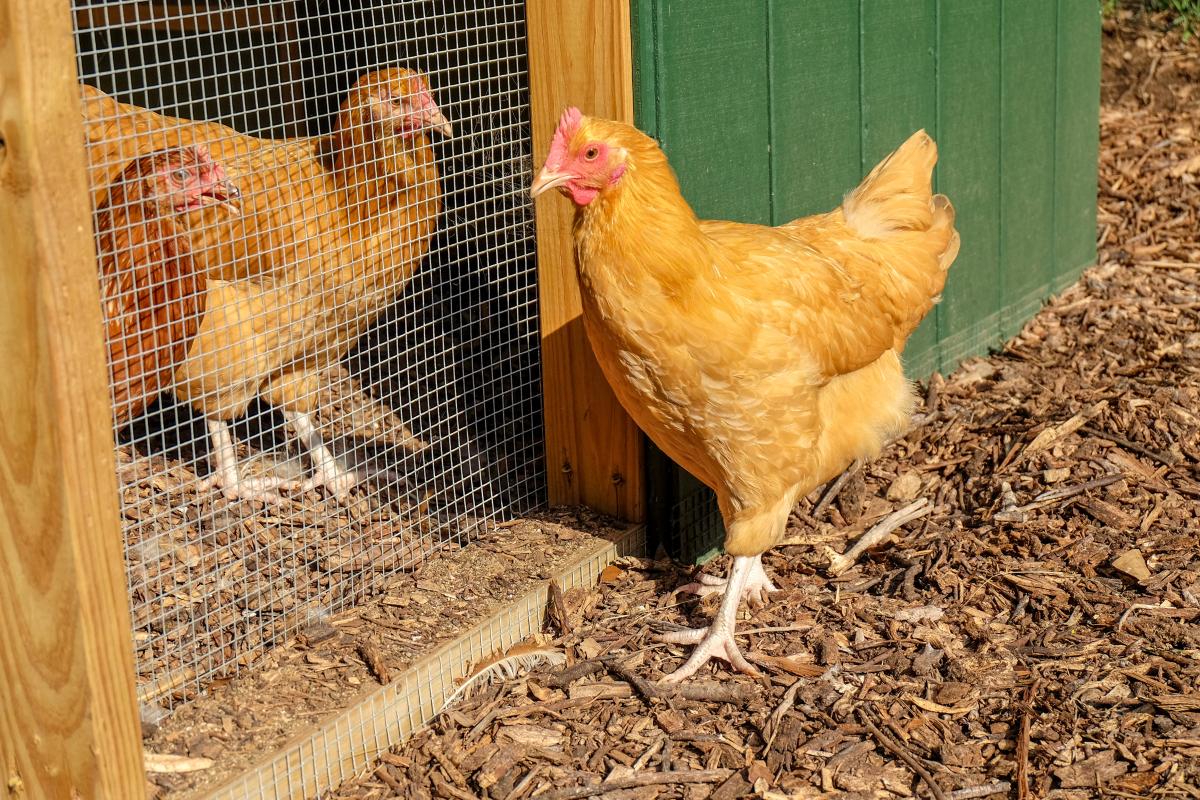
(1036,635)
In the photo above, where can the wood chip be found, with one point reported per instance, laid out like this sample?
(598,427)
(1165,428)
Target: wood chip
(1132,564)
(165,763)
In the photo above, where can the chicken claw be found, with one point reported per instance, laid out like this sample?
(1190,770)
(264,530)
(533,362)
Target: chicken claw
(758,585)
(716,641)
(327,470)
(336,480)
(228,478)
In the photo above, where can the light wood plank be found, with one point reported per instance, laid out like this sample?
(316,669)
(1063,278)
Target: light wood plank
(579,54)
(68,717)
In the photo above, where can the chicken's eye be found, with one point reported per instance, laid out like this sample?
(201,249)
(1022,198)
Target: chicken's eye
(180,175)
(591,153)
(397,100)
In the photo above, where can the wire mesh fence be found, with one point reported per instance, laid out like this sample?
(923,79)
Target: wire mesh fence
(316,265)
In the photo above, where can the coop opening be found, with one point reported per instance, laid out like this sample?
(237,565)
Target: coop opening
(316,258)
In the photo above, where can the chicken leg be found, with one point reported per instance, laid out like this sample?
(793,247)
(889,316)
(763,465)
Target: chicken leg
(327,470)
(228,478)
(716,641)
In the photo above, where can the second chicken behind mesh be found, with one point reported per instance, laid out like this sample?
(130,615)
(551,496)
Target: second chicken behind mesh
(368,201)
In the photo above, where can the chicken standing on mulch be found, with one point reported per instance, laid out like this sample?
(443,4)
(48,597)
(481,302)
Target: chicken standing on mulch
(1037,635)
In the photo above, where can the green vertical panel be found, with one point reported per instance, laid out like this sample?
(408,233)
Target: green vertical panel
(969,172)
(701,87)
(644,36)
(1077,139)
(1028,41)
(815,115)
(713,89)
(899,96)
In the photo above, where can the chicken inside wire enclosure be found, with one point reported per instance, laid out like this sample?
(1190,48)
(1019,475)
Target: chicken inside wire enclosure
(352,377)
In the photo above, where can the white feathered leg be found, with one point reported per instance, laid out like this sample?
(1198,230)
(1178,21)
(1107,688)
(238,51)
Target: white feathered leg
(758,584)
(228,478)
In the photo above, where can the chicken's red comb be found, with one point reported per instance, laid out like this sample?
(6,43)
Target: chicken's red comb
(568,123)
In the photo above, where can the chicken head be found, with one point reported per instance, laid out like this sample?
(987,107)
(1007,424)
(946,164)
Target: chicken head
(581,169)
(186,178)
(399,102)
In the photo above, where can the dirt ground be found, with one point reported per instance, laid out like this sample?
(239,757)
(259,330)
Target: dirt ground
(1037,635)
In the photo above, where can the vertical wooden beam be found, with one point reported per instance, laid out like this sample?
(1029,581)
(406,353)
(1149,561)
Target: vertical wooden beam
(68,714)
(579,54)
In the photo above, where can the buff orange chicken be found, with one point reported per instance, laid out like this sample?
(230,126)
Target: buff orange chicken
(274,333)
(764,360)
(292,195)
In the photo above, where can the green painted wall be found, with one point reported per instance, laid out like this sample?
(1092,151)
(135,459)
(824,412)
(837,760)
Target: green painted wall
(771,109)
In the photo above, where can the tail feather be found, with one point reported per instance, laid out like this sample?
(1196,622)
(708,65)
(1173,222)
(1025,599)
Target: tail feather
(943,226)
(896,195)
(907,232)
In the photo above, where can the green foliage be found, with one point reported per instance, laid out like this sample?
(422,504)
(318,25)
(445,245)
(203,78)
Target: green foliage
(1184,13)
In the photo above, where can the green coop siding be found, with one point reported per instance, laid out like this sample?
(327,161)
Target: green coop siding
(772,109)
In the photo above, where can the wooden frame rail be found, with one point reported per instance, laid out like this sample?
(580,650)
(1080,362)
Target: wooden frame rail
(68,716)
(579,54)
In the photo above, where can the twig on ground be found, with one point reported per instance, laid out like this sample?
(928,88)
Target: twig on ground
(642,779)
(1023,742)
(1128,444)
(581,669)
(557,609)
(703,691)
(897,749)
(834,490)
(1017,514)
(840,562)
(972,792)
(1142,607)
(775,720)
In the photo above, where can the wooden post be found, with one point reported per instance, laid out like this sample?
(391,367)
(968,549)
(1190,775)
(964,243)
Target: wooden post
(68,714)
(579,54)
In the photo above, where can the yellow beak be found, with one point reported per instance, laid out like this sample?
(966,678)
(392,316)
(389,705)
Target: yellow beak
(548,179)
(231,201)
(437,121)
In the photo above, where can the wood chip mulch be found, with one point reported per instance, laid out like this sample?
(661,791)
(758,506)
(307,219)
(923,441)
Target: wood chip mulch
(1037,635)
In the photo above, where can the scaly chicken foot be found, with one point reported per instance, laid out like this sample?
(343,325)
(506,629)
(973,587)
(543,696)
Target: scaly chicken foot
(758,585)
(716,641)
(327,470)
(228,478)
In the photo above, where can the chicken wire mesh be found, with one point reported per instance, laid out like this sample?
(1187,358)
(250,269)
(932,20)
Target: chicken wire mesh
(321,309)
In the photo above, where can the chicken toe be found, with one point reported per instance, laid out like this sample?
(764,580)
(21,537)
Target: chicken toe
(327,470)
(337,480)
(228,478)
(758,584)
(716,641)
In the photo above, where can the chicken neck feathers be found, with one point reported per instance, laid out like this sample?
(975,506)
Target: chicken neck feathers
(152,298)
